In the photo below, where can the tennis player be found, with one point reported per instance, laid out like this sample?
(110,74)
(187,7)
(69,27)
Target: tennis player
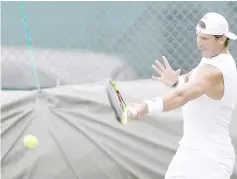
(207,96)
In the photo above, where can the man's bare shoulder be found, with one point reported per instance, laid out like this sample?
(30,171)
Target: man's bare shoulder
(210,79)
(209,71)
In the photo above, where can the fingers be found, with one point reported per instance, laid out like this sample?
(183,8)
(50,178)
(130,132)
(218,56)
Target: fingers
(132,113)
(157,69)
(167,65)
(137,117)
(159,65)
(178,71)
(156,78)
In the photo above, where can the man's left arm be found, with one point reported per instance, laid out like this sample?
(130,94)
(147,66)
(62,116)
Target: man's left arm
(206,77)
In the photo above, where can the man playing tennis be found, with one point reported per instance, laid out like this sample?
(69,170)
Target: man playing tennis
(207,96)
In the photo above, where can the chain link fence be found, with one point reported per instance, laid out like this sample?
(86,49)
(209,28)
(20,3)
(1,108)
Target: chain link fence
(137,32)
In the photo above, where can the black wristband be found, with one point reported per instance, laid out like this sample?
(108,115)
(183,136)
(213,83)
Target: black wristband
(174,85)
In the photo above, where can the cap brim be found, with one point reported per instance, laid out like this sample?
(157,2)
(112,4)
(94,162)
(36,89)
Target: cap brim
(231,36)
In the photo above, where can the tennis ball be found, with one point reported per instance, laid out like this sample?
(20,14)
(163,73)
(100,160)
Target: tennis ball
(30,141)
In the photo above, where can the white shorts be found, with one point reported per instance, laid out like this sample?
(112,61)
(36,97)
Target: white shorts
(195,164)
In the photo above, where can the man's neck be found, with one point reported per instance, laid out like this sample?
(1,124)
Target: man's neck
(225,51)
(221,51)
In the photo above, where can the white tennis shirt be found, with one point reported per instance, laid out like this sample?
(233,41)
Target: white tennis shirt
(206,121)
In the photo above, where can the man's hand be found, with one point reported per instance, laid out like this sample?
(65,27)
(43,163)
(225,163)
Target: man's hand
(141,109)
(167,75)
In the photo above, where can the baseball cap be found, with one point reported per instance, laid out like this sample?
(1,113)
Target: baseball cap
(215,24)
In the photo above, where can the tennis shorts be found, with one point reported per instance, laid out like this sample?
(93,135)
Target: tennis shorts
(196,164)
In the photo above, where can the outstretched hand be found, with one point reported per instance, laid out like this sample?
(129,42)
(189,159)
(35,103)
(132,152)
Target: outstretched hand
(166,74)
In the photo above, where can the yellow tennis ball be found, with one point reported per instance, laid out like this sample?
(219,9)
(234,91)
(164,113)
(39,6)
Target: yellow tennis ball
(30,141)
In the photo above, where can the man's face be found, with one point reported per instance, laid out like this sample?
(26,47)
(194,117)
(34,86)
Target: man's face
(208,45)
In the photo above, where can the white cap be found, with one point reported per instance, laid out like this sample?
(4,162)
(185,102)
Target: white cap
(215,24)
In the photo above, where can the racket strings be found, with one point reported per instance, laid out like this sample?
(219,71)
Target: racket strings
(120,97)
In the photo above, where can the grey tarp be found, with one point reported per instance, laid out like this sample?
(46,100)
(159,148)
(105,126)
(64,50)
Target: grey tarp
(80,138)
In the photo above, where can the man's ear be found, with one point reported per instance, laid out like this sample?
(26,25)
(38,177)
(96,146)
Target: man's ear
(222,40)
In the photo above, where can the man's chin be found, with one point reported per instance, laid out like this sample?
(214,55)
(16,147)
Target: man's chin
(205,55)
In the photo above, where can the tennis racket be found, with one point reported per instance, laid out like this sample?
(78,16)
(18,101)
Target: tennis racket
(118,104)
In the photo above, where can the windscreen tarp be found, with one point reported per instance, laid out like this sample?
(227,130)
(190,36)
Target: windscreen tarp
(79,137)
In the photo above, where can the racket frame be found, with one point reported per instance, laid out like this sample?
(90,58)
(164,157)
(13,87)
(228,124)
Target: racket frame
(120,101)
